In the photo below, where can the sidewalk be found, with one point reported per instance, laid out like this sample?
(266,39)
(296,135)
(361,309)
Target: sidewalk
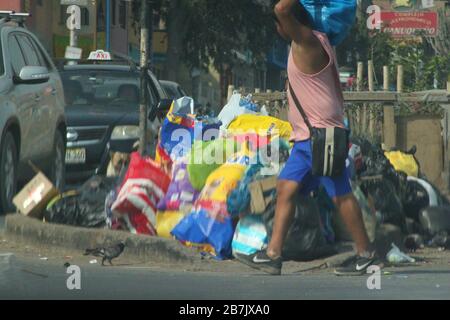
(33,239)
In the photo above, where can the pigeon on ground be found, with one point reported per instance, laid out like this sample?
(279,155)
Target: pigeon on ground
(413,242)
(107,253)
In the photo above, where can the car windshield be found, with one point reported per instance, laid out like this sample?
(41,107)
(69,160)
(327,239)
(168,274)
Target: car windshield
(93,87)
(172,91)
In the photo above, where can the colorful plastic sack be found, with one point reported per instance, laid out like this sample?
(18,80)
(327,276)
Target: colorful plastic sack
(205,157)
(177,133)
(256,129)
(202,227)
(210,223)
(144,185)
(403,162)
(250,235)
(166,221)
(180,128)
(333,17)
(180,194)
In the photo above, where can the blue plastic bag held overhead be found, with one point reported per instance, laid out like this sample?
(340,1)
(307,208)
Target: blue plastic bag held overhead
(333,17)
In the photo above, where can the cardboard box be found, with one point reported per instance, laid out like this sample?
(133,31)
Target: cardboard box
(34,197)
(258,201)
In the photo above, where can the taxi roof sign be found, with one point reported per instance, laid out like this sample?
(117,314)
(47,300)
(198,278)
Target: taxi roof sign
(100,55)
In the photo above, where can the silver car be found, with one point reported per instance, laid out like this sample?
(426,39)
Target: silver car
(32,122)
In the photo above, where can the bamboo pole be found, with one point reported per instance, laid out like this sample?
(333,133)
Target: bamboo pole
(370,75)
(385,78)
(359,85)
(400,78)
(359,76)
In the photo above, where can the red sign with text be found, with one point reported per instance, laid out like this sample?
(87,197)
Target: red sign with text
(406,24)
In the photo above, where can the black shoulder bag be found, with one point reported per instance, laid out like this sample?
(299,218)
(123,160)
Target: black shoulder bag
(329,146)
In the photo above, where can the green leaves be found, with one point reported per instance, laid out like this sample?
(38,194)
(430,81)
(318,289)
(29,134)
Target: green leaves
(213,30)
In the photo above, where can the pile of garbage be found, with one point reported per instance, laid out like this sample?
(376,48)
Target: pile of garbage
(212,186)
(399,194)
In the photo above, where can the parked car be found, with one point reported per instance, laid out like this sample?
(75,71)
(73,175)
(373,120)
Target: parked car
(173,89)
(32,123)
(103,113)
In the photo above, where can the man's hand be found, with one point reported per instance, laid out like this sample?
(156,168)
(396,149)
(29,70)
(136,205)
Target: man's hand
(298,31)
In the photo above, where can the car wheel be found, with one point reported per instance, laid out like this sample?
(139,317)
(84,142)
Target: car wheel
(59,163)
(8,173)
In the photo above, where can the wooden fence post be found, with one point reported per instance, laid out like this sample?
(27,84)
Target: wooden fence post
(385,78)
(399,78)
(389,127)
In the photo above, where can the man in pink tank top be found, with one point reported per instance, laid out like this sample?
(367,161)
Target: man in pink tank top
(312,72)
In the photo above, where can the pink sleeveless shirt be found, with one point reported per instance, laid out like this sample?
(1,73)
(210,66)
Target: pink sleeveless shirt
(320,95)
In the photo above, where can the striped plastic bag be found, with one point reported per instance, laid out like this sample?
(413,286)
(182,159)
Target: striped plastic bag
(250,235)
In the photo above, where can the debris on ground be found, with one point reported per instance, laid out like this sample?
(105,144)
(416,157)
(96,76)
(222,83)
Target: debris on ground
(396,256)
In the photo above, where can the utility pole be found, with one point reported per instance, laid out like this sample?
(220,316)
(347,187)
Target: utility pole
(144,69)
(95,25)
(108,25)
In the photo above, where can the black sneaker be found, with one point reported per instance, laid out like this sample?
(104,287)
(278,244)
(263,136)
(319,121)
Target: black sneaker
(261,261)
(357,265)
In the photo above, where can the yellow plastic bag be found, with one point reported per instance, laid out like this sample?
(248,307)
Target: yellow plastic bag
(166,221)
(225,178)
(403,162)
(261,125)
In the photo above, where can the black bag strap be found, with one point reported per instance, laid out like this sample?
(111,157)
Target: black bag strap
(300,108)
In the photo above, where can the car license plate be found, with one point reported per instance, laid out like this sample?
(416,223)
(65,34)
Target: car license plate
(76,156)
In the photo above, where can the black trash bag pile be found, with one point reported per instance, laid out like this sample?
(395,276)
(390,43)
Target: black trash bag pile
(85,207)
(396,198)
(385,186)
(415,199)
(305,240)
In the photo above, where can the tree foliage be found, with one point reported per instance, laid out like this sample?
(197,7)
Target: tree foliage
(425,60)
(213,31)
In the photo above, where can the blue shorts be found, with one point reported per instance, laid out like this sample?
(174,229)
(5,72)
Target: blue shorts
(298,169)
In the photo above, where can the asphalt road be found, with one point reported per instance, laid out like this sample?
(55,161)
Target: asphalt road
(26,279)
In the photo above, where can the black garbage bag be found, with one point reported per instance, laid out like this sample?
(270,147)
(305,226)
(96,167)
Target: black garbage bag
(83,208)
(415,200)
(435,220)
(305,240)
(363,143)
(387,201)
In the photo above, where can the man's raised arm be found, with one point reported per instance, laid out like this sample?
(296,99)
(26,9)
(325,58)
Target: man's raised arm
(294,20)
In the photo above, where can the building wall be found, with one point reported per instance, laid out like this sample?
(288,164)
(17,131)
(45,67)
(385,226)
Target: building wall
(41,21)
(13,5)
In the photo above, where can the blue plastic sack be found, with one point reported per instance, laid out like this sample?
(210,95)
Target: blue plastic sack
(333,17)
(178,136)
(202,227)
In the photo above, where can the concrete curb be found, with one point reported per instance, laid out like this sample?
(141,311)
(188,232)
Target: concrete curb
(21,228)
